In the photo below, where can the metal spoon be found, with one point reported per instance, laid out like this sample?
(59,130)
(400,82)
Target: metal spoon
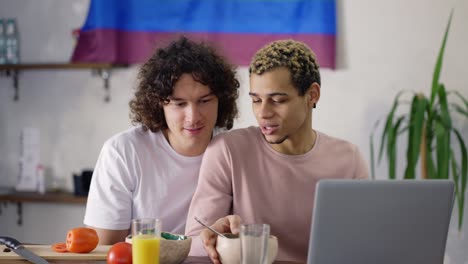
(201,223)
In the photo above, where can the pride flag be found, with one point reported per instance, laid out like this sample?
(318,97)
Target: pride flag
(127,31)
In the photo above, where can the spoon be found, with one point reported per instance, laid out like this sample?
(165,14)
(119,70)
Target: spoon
(201,223)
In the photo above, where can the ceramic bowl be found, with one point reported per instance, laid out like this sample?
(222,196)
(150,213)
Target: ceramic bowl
(229,249)
(174,248)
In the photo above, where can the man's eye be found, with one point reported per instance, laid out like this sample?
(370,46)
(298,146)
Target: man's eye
(204,101)
(279,101)
(256,100)
(180,104)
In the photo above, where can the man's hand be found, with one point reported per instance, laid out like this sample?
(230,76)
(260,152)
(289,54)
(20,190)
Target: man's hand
(227,224)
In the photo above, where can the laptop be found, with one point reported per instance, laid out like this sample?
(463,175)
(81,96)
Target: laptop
(380,221)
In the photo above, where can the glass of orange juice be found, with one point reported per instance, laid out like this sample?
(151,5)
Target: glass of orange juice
(146,236)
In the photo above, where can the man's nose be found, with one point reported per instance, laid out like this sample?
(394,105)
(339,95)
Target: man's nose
(265,110)
(192,114)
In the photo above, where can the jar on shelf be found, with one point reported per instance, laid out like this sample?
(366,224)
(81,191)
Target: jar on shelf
(12,42)
(3,59)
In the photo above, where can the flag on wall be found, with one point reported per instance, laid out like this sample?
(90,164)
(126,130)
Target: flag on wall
(127,31)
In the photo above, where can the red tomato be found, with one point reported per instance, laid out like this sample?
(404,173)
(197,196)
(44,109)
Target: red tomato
(120,253)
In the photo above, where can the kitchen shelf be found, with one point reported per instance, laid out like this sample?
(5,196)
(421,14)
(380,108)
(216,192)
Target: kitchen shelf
(52,197)
(33,197)
(103,70)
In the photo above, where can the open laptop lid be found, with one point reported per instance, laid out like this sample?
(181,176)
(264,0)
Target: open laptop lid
(380,221)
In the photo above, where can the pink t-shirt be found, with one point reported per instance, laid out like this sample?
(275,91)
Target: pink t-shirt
(242,174)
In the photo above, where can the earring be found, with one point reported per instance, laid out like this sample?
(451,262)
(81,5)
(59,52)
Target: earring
(315,105)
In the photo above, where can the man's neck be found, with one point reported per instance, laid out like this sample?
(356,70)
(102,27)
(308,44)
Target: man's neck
(298,144)
(188,151)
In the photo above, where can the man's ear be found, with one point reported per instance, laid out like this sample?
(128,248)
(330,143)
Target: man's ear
(313,95)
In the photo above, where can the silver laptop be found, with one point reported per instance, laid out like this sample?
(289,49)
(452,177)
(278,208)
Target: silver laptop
(380,221)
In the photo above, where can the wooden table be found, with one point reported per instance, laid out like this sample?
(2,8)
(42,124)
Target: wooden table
(203,260)
(189,260)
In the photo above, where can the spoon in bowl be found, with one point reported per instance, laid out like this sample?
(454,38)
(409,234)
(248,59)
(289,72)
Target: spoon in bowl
(201,223)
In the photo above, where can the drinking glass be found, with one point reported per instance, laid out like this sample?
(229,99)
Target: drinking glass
(254,243)
(146,236)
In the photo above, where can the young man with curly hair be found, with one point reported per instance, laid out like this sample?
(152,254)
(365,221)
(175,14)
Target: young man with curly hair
(151,170)
(268,174)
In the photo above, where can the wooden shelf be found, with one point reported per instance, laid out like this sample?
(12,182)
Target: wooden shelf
(33,197)
(103,70)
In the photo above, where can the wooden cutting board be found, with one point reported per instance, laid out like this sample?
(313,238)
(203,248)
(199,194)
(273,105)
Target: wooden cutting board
(48,253)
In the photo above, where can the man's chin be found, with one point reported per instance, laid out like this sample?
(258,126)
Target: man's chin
(275,139)
(197,139)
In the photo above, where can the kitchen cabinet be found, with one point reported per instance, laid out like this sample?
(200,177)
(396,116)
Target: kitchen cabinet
(102,70)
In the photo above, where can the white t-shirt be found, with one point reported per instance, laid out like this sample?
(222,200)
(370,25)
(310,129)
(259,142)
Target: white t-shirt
(139,175)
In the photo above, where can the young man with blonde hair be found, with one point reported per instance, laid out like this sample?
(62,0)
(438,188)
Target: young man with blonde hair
(268,174)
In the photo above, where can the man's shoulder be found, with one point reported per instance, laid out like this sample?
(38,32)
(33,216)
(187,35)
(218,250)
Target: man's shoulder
(130,137)
(331,143)
(235,140)
(336,151)
(238,135)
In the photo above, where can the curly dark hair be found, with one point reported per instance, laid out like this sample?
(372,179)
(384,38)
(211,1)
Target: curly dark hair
(294,55)
(159,74)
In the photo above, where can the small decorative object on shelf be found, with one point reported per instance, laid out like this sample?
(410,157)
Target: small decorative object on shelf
(2,42)
(29,160)
(41,180)
(81,182)
(12,42)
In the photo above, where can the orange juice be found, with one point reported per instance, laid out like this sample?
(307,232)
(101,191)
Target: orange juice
(145,249)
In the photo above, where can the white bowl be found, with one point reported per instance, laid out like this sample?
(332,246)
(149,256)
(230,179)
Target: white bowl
(229,249)
(174,248)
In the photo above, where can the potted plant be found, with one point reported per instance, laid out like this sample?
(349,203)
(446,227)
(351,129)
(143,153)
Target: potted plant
(432,138)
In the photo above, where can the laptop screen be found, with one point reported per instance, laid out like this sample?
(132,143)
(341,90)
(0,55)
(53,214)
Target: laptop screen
(380,221)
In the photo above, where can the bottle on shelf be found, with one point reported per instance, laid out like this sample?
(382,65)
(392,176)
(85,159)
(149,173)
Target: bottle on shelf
(12,42)
(2,42)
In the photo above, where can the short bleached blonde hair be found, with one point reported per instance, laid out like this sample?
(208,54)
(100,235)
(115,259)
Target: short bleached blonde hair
(291,54)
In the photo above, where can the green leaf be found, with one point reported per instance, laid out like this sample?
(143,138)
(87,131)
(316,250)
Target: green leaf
(403,130)
(392,147)
(372,149)
(463,176)
(430,165)
(462,98)
(429,133)
(445,115)
(458,197)
(464,163)
(460,109)
(438,66)
(388,124)
(416,124)
(442,149)
(431,170)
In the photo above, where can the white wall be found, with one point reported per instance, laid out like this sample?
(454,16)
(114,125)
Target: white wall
(383,47)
